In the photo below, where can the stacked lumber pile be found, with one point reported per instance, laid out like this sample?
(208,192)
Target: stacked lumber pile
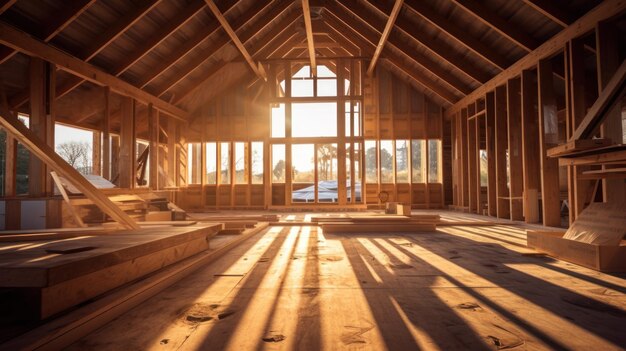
(378,223)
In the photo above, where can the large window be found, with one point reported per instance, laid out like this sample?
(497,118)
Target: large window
(211,163)
(278,121)
(303,166)
(241,174)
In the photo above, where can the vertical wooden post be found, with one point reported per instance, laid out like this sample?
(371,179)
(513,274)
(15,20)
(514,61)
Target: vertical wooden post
(608,60)
(171,154)
(463,168)
(153,131)
(501,134)
(10,167)
(51,75)
(341,133)
(516,184)
(38,124)
(96,153)
(127,144)
(548,137)
(576,108)
(471,165)
(490,135)
(530,147)
(106,137)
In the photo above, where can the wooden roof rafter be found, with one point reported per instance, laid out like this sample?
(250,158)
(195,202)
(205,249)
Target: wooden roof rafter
(279,36)
(199,37)
(115,30)
(459,34)
(607,9)
(256,67)
(356,30)
(552,10)
(306,12)
(23,42)
(359,29)
(491,19)
(6,4)
(54,26)
(223,40)
(437,48)
(385,34)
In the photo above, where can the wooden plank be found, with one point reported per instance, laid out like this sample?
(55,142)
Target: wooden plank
(501,145)
(38,124)
(548,137)
(530,147)
(514,123)
(306,13)
(490,126)
(256,67)
(619,173)
(334,228)
(56,163)
(607,9)
(106,137)
(153,131)
(23,42)
(6,4)
(126,158)
(385,34)
(575,146)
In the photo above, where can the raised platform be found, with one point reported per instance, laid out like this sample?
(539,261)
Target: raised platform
(48,276)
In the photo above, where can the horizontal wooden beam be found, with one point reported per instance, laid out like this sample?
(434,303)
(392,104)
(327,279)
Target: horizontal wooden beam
(47,155)
(607,9)
(23,42)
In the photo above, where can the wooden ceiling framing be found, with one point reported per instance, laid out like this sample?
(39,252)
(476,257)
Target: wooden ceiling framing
(450,48)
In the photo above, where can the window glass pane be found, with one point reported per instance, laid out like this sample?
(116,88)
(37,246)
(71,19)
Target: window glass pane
(324,72)
(386,161)
(314,119)
(278,163)
(327,87)
(402,161)
(301,87)
(211,163)
(303,166)
(75,146)
(484,177)
(23,160)
(304,72)
(225,163)
(327,162)
(418,161)
(371,173)
(257,162)
(278,120)
(241,174)
(193,163)
(356,118)
(348,119)
(434,161)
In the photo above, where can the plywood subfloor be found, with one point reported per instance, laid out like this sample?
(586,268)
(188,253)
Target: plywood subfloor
(294,288)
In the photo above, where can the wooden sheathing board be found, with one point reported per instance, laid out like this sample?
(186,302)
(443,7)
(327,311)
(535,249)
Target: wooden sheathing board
(599,257)
(84,267)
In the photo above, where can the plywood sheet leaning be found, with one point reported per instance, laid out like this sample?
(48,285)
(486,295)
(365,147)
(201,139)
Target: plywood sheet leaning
(600,224)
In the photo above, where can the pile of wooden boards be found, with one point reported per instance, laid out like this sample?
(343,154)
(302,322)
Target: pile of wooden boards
(141,207)
(378,223)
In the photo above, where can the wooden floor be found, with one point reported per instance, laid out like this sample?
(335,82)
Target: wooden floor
(463,287)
